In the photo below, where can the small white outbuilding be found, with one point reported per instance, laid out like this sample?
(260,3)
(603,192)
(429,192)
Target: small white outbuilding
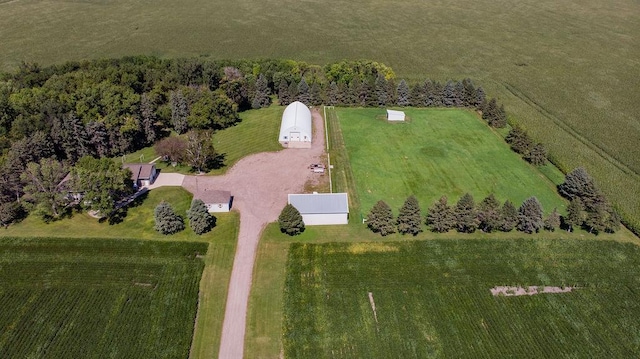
(322,208)
(295,129)
(215,200)
(393,115)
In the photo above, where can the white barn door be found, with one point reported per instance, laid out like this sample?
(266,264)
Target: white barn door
(295,136)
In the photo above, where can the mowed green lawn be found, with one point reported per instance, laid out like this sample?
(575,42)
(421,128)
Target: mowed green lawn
(74,298)
(257,132)
(432,299)
(437,152)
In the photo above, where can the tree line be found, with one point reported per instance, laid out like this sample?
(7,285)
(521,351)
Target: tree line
(588,209)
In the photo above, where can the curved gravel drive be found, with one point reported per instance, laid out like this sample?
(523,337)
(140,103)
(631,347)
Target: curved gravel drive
(259,185)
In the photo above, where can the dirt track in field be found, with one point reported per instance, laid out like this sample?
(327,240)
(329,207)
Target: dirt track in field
(259,185)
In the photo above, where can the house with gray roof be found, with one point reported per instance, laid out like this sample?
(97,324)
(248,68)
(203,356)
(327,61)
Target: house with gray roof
(215,200)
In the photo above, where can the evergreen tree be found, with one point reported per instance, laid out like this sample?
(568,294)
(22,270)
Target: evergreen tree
(612,222)
(333,94)
(283,93)
(262,96)
(98,139)
(449,96)
(382,94)
(290,221)
(417,96)
(149,119)
(575,214)
(519,141)
(409,219)
(364,94)
(440,216)
(315,94)
(466,214)
(509,216)
(293,92)
(403,94)
(595,218)
(179,111)
(480,99)
(166,219)
(537,156)
(380,219)
(578,183)
(200,220)
(552,221)
(490,110)
(468,94)
(500,119)
(489,214)
(530,216)
(303,92)
(458,100)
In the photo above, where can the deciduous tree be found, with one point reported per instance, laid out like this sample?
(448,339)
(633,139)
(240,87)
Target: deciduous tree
(43,187)
(200,152)
(290,220)
(552,221)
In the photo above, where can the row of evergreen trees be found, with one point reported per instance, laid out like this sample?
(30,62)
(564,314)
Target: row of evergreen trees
(167,221)
(588,209)
(465,217)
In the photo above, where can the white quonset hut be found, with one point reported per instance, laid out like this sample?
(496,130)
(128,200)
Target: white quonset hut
(393,115)
(321,208)
(295,129)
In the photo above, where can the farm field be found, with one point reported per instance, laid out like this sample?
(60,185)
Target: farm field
(139,224)
(564,70)
(437,152)
(79,298)
(432,299)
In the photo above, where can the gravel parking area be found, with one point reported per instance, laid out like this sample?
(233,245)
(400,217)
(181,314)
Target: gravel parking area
(259,185)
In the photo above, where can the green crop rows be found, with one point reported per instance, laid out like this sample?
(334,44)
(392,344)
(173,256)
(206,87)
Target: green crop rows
(98,298)
(432,299)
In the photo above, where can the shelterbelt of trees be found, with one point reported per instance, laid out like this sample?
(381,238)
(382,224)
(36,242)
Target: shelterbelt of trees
(52,117)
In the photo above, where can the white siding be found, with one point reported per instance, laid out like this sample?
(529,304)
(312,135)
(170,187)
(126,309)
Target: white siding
(395,115)
(217,207)
(296,125)
(325,219)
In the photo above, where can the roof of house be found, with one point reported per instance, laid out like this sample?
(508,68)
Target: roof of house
(140,171)
(213,196)
(296,118)
(320,203)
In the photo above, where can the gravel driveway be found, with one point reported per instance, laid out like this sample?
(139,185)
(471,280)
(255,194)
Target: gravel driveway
(259,185)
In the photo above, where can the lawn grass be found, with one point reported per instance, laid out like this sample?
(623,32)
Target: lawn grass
(566,71)
(437,152)
(139,224)
(72,298)
(257,132)
(432,299)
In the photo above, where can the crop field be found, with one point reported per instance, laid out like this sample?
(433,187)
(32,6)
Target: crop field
(438,152)
(565,70)
(74,298)
(433,299)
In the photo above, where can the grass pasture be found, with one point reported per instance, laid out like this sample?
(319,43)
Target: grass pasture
(76,298)
(438,152)
(432,299)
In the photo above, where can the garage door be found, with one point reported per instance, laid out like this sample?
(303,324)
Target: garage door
(295,136)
